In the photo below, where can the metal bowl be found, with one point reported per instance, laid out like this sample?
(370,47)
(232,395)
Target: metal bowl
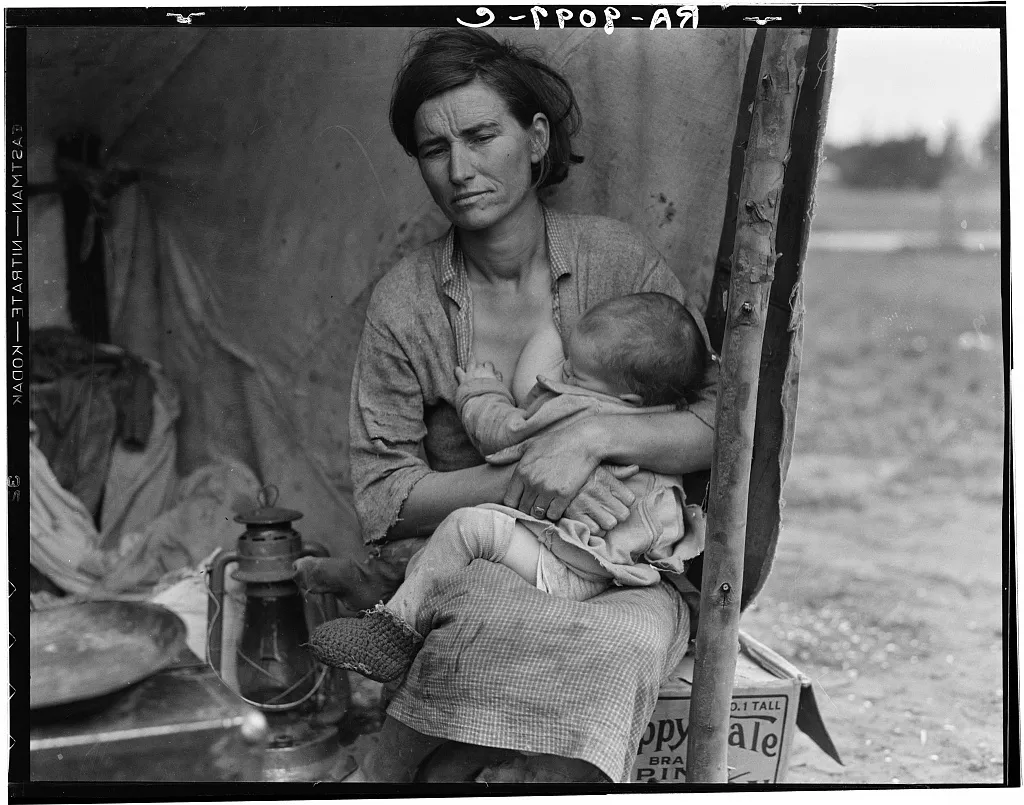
(85,650)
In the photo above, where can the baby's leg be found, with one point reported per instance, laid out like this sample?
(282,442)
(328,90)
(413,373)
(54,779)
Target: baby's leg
(383,642)
(522,554)
(465,535)
(542,355)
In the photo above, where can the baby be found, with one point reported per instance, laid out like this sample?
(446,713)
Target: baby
(626,356)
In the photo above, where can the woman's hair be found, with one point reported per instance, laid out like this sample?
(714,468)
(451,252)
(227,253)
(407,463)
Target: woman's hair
(439,61)
(650,343)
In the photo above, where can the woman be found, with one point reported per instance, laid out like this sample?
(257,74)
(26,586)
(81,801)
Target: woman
(505,665)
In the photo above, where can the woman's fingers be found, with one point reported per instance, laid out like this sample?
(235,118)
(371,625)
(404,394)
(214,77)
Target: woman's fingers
(609,478)
(556,508)
(588,510)
(621,471)
(541,507)
(591,525)
(604,499)
(514,491)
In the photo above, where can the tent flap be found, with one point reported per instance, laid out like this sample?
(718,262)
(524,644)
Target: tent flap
(273,195)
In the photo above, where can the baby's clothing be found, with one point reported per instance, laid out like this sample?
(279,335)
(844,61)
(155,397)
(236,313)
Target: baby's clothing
(661,533)
(556,578)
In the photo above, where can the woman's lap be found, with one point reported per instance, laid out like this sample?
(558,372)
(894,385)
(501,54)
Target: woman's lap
(506,665)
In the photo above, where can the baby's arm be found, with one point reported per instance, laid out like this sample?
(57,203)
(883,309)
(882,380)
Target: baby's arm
(487,409)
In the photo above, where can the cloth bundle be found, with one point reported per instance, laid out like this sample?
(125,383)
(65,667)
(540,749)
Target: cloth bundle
(85,398)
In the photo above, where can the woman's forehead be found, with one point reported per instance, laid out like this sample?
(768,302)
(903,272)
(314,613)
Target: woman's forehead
(459,109)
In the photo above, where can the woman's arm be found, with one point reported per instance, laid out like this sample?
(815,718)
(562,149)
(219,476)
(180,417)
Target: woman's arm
(397,494)
(556,465)
(674,443)
(438,494)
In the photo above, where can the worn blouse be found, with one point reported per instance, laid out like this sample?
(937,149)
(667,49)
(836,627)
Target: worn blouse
(504,664)
(419,327)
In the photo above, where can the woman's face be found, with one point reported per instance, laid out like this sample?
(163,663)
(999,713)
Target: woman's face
(475,156)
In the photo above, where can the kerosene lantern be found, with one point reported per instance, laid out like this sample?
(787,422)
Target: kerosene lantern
(302,699)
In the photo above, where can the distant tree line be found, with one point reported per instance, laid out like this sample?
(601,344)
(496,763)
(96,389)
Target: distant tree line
(907,162)
(897,163)
(990,143)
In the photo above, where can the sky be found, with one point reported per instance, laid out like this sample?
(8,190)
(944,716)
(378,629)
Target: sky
(897,81)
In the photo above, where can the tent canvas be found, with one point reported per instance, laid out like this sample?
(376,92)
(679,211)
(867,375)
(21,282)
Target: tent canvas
(271,196)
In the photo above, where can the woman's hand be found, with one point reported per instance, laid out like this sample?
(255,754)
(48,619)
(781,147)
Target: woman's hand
(604,501)
(559,470)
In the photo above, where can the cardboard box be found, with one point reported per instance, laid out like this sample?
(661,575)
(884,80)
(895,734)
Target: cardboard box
(768,694)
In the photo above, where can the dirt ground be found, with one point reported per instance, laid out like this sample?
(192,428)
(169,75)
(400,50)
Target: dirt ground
(887,582)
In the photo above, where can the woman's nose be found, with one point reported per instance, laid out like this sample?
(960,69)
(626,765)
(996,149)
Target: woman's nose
(460,165)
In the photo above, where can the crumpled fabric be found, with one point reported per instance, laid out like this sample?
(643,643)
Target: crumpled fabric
(142,483)
(77,419)
(66,546)
(85,399)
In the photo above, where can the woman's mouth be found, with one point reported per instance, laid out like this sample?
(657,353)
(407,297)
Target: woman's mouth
(466,199)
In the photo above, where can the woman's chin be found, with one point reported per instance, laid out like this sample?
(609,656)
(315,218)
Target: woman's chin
(475,220)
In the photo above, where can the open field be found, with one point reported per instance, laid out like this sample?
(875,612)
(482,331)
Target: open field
(971,202)
(886,585)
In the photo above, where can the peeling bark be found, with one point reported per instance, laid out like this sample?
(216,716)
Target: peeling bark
(753,267)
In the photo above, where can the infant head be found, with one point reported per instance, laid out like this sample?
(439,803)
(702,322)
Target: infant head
(644,348)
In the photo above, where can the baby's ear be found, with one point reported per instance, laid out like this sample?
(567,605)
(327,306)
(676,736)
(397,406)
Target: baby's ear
(632,399)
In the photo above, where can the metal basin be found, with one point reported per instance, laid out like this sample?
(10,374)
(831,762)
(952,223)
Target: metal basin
(85,650)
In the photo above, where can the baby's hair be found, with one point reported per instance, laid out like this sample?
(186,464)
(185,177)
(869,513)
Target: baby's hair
(651,344)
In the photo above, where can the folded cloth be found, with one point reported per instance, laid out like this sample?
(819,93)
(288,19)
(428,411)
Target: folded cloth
(506,665)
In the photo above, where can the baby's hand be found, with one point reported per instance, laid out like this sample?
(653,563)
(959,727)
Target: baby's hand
(477,371)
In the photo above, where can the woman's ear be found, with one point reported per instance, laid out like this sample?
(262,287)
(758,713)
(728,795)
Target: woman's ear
(540,137)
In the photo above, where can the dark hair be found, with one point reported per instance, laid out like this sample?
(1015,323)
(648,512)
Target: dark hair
(442,60)
(651,344)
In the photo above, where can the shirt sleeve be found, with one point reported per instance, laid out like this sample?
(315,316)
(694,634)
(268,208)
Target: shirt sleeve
(489,415)
(658,277)
(386,430)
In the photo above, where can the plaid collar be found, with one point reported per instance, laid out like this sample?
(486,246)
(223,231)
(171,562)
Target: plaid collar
(455,281)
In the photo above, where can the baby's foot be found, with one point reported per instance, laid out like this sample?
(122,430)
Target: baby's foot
(378,644)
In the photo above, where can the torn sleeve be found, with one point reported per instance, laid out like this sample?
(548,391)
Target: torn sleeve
(386,425)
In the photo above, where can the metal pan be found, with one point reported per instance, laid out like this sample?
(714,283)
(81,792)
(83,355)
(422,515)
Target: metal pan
(86,650)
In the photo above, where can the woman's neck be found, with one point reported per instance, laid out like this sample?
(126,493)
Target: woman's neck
(507,250)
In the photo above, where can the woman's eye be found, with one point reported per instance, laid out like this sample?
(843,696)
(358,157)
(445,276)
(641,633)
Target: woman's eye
(483,138)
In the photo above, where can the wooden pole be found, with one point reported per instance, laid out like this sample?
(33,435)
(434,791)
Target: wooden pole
(782,70)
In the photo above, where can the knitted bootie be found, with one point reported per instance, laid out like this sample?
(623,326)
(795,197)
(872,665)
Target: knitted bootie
(378,644)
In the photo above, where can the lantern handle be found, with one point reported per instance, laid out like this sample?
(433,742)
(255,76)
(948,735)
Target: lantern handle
(267,497)
(215,605)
